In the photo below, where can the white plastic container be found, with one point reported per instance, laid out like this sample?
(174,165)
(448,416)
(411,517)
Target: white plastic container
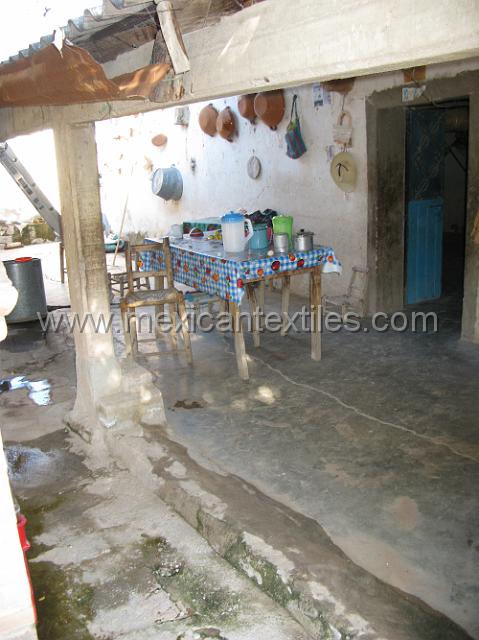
(232,229)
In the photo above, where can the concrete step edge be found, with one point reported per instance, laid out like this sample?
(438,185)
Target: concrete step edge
(322,612)
(136,403)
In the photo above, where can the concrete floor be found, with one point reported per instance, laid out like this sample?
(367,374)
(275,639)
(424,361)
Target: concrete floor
(109,559)
(378,443)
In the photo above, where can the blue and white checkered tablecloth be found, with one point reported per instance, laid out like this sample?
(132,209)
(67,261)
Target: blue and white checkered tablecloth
(203,265)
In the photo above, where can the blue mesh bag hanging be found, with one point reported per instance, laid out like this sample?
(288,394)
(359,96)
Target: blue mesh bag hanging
(294,140)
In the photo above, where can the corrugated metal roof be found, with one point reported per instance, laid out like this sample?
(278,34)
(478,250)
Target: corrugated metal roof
(120,25)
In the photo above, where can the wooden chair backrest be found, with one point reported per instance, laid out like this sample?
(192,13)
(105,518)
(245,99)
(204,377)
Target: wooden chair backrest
(358,283)
(162,260)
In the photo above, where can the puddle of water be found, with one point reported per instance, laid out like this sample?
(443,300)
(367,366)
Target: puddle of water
(29,466)
(38,390)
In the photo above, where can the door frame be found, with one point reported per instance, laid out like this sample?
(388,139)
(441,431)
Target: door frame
(386,159)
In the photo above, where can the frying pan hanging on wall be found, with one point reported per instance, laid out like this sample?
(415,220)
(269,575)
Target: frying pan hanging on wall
(253,167)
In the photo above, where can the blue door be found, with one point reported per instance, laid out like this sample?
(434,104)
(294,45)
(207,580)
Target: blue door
(424,255)
(425,180)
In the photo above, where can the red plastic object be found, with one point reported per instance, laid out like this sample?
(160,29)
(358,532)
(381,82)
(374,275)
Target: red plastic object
(22,534)
(24,259)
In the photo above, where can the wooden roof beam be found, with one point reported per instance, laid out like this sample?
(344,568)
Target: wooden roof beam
(280,43)
(172,34)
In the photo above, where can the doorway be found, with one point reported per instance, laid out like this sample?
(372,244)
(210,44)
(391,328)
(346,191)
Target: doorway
(436,201)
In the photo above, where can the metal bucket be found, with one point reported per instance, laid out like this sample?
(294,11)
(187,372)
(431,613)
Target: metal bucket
(27,278)
(167,183)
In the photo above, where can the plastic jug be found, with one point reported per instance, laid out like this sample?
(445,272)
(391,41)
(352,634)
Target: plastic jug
(284,224)
(232,228)
(260,239)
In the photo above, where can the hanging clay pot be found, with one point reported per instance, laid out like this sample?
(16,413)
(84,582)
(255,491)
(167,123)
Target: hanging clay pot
(246,107)
(159,140)
(225,124)
(269,107)
(207,119)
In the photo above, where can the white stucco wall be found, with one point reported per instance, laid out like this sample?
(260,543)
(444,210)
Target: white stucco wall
(302,188)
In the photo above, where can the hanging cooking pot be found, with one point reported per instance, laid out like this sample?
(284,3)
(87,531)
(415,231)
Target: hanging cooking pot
(225,124)
(246,107)
(167,183)
(207,119)
(269,107)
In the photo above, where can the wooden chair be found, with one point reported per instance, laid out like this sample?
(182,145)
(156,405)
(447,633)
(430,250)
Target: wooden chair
(160,296)
(355,298)
(118,283)
(118,278)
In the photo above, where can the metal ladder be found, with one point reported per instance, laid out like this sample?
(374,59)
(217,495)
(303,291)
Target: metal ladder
(26,183)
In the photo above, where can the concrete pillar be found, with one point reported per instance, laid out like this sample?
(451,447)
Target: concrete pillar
(98,371)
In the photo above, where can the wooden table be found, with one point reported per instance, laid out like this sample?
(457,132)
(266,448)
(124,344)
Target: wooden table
(255,290)
(205,266)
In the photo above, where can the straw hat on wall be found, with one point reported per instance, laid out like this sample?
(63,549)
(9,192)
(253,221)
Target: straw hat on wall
(344,171)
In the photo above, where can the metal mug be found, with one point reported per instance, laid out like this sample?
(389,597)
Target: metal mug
(281,242)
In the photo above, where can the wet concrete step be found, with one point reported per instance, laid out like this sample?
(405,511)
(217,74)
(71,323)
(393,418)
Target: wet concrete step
(122,408)
(136,399)
(288,555)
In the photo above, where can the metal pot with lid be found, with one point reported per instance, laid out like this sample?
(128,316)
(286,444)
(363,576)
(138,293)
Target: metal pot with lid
(303,240)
